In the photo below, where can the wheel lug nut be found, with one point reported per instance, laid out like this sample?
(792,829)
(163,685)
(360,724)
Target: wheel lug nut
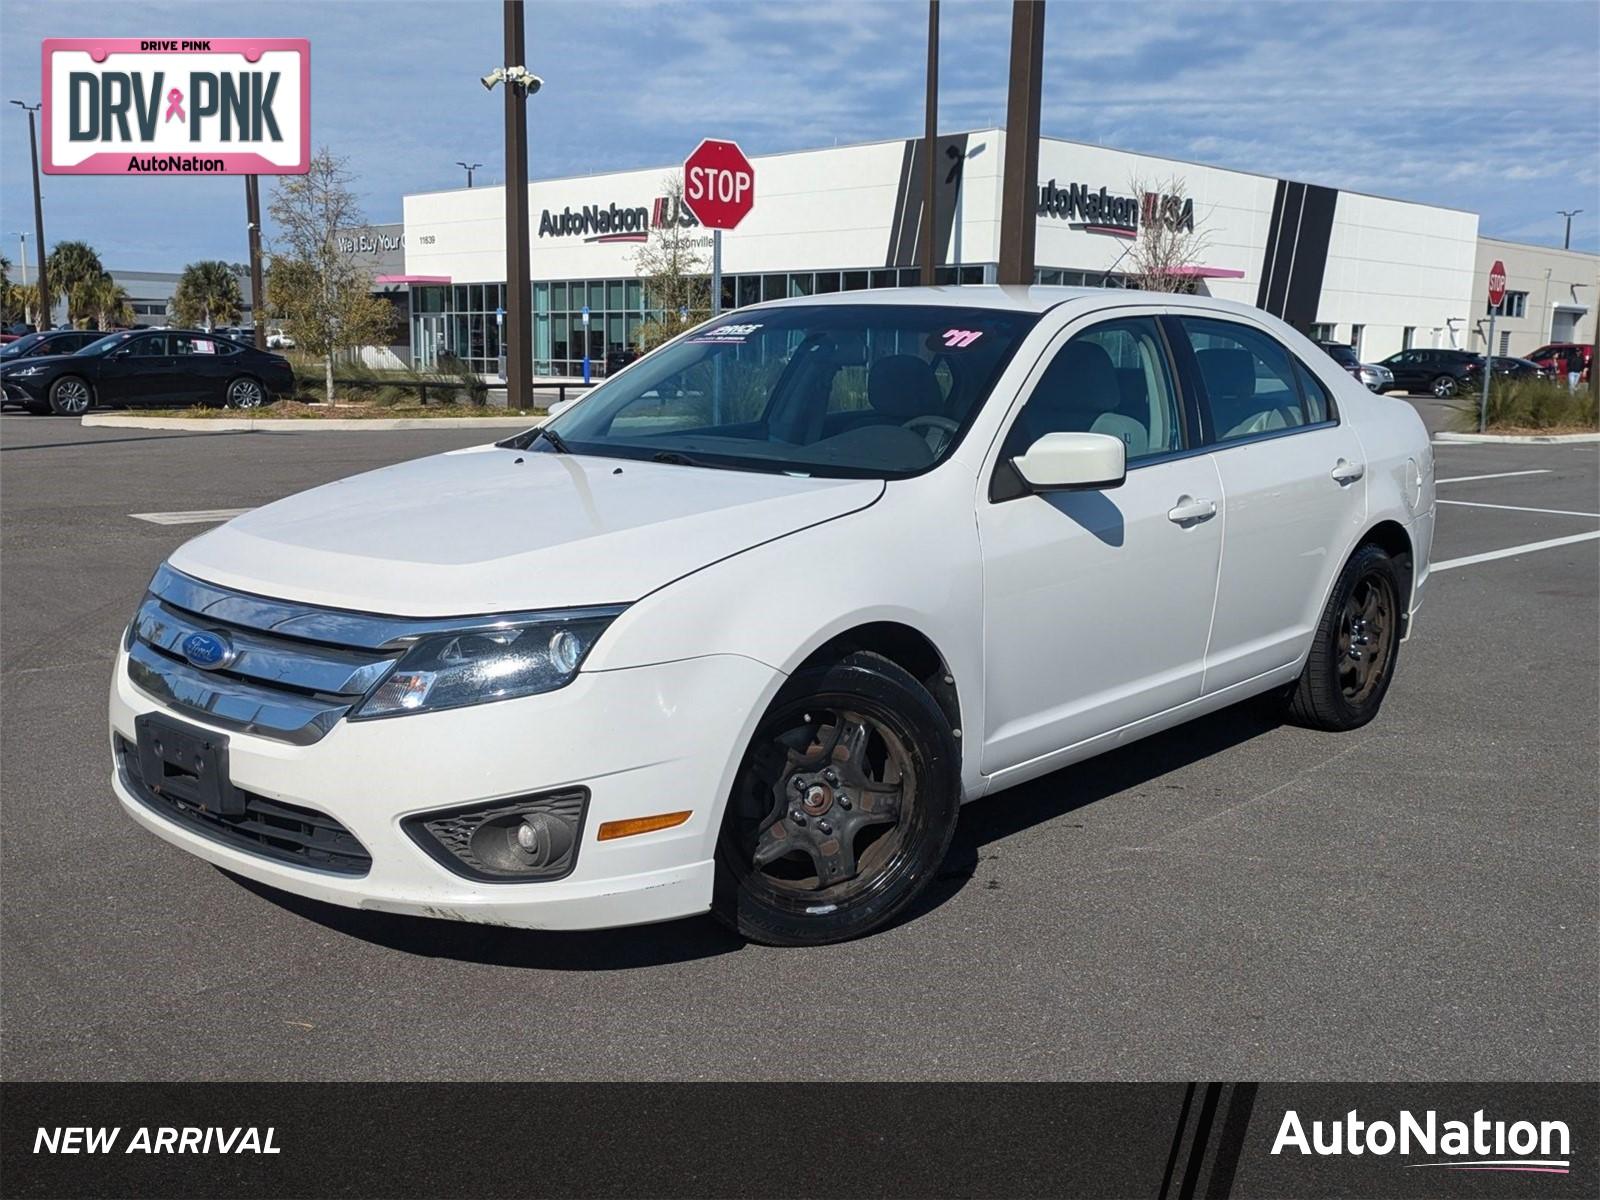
(844,803)
(830,775)
(799,784)
(824,827)
(798,817)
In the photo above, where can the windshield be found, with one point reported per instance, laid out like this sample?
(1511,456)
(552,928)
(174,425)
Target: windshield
(109,342)
(22,345)
(1345,356)
(879,390)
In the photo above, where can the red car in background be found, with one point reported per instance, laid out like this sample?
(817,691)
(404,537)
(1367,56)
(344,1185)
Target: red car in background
(1562,358)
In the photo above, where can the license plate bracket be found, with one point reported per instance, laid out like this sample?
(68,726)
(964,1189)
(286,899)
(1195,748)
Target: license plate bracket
(189,764)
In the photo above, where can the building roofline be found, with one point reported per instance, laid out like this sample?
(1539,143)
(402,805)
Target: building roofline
(1589,254)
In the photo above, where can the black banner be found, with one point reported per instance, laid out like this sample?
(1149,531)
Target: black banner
(1165,1141)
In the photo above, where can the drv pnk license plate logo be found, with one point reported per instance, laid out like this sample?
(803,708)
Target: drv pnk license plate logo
(166,106)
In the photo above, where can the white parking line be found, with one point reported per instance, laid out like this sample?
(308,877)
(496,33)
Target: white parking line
(1554,512)
(1451,564)
(1496,475)
(199,516)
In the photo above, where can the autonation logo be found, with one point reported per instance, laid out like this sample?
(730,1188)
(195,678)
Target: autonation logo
(1478,1145)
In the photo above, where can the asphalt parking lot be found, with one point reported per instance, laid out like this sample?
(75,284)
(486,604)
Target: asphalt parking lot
(1236,899)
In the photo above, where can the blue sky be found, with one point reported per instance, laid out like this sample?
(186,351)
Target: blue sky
(1485,106)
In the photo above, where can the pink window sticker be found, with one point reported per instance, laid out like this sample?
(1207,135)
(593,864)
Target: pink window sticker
(957,339)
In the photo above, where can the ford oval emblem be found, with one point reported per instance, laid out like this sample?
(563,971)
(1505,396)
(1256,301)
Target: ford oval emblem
(208,651)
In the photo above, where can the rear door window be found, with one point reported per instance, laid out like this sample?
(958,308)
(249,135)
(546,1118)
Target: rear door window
(1249,380)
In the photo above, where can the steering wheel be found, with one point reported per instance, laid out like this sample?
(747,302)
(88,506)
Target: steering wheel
(935,444)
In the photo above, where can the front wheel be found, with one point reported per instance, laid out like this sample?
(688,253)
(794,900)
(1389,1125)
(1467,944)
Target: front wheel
(1357,642)
(843,807)
(69,396)
(245,392)
(1445,386)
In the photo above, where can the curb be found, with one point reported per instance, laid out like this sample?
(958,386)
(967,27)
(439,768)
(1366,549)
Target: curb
(304,425)
(1512,439)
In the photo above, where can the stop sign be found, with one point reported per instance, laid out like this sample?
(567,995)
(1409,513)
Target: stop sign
(719,184)
(1497,283)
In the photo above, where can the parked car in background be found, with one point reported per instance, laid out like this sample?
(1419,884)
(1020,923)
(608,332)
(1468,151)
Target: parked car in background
(1564,358)
(278,339)
(1442,372)
(617,359)
(50,341)
(758,647)
(148,367)
(1374,376)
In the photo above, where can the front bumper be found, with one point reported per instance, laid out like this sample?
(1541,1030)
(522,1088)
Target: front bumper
(22,391)
(643,740)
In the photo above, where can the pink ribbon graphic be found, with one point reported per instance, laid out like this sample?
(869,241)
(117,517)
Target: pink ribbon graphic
(175,105)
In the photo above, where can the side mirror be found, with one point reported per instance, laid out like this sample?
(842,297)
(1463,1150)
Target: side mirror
(1073,462)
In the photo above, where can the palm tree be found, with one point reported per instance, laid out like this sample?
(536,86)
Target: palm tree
(105,300)
(207,294)
(71,264)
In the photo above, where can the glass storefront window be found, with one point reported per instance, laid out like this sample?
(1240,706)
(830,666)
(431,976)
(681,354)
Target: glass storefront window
(460,297)
(774,287)
(541,297)
(635,298)
(558,297)
(855,281)
(749,290)
(597,296)
(827,281)
(800,284)
(613,295)
(883,279)
(910,276)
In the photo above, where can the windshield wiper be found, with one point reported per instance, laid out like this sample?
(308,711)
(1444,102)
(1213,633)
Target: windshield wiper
(554,438)
(675,457)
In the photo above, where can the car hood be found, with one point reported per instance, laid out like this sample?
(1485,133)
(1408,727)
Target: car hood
(38,360)
(494,530)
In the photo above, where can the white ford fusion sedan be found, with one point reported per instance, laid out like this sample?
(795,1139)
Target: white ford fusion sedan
(742,629)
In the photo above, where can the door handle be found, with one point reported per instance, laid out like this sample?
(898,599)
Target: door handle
(1345,473)
(1190,511)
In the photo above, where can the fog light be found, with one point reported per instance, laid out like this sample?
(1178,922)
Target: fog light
(519,840)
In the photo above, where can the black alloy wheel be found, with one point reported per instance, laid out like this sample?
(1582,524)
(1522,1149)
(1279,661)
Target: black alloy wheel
(843,807)
(1355,648)
(1445,386)
(245,392)
(69,396)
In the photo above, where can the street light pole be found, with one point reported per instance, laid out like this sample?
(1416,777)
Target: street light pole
(1566,242)
(38,218)
(258,299)
(470,168)
(930,142)
(519,283)
(1019,195)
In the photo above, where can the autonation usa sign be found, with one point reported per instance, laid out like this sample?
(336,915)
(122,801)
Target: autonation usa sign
(1103,211)
(158,106)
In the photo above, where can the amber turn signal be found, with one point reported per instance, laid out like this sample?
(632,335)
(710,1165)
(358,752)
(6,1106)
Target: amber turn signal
(633,825)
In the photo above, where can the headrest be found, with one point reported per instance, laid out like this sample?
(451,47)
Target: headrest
(904,386)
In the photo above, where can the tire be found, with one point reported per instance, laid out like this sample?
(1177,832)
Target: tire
(70,396)
(843,807)
(1444,386)
(244,391)
(1355,648)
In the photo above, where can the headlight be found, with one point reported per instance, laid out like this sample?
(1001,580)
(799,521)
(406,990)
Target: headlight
(448,670)
(19,372)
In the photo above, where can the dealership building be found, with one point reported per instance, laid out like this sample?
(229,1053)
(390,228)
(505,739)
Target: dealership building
(1378,273)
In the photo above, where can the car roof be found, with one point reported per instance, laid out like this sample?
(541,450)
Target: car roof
(1017,298)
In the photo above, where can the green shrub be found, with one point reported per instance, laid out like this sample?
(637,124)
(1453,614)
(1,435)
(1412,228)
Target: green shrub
(1528,404)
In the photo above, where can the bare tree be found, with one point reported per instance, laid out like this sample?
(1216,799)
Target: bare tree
(677,285)
(326,296)
(1169,241)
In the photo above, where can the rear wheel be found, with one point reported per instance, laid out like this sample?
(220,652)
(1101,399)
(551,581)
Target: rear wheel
(1445,386)
(843,807)
(69,396)
(1352,659)
(245,392)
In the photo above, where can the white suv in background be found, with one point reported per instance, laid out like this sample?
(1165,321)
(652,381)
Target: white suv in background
(743,629)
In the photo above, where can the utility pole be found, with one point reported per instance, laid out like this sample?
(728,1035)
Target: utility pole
(519,283)
(1019,203)
(1566,242)
(258,295)
(930,143)
(45,305)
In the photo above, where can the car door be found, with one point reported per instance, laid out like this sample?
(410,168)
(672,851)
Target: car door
(1097,604)
(1293,477)
(199,367)
(141,371)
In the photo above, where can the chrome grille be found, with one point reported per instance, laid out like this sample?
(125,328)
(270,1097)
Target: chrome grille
(290,676)
(295,669)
